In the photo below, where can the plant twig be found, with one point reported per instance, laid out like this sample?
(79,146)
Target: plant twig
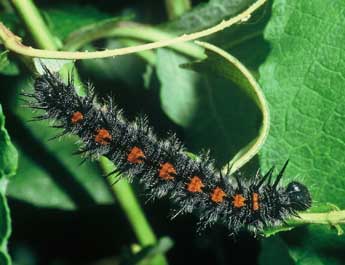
(126,197)
(12,42)
(127,30)
(331,218)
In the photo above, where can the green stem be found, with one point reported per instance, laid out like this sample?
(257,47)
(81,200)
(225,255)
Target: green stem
(35,23)
(43,37)
(41,33)
(128,30)
(176,8)
(148,56)
(332,218)
(129,203)
(136,31)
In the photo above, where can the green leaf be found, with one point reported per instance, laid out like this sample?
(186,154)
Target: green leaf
(126,69)
(199,103)
(9,156)
(205,104)
(7,67)
(48,174)
(178,92)
(52,64)
(88,33)
(274,249)
(54,177)
(65,18)
(303,80)
(8,167)
(238,39)
(221,63)
(207,15)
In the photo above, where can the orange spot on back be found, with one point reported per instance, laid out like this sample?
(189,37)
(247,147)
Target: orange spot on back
(136,155)
(255,199)
(195,184)
(167,171)
(238,201)
(218,195)
(103,136)
(77,117)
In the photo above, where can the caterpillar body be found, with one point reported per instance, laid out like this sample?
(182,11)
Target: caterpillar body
(162,165)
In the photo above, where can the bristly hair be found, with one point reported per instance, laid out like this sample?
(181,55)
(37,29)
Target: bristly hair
(162,165)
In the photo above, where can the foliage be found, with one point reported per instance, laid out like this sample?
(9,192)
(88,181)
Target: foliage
(293,48)
(303,82)
(8,167)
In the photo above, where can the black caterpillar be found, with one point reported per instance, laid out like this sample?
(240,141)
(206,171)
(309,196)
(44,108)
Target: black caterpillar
(163,167)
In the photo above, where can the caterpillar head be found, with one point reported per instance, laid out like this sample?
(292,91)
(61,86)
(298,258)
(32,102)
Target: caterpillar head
(299,196)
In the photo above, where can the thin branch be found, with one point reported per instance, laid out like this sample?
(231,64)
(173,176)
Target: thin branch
(13,42)
(131,30)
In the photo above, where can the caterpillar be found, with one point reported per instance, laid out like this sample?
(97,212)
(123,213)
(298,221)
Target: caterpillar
(162,166)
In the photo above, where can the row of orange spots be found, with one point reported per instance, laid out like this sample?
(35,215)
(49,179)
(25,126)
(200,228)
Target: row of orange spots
(167,170)
(239,201)
(102,135)
(196,185)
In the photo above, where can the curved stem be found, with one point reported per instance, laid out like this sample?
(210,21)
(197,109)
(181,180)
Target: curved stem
(247,82)
(129,30)
(125,195)
(12,42)
(129,203)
